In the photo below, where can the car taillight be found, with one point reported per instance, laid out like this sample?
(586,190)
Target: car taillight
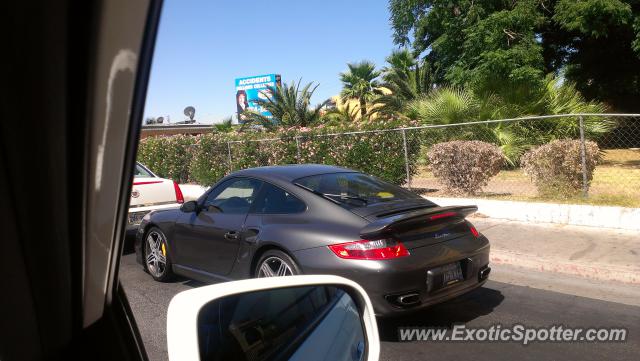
(443,215)
(378,249)
(179,196)
(474,230)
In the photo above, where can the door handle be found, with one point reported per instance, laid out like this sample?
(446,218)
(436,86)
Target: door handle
(231,235)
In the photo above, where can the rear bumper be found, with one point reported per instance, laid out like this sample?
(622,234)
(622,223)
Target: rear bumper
(386,280)
(136,213)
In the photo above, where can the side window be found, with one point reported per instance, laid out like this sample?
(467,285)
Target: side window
(234,196)
(275,200)
(141,172)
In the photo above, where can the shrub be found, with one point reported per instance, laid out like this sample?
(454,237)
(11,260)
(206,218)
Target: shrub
(206,159)
(379,154)
(556,167)
(210,158)
(277,148)
(464,167)
(168,157)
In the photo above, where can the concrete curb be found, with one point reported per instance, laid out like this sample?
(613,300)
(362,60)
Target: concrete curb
(573,214)
(594,271)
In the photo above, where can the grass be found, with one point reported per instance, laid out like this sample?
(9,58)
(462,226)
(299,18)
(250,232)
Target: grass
(595,199)
(626,158)
(616,182)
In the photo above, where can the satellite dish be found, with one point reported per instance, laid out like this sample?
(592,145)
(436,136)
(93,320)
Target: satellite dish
(190,112)
(159,120)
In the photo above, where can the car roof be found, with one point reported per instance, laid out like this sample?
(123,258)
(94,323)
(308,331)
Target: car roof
(291,172)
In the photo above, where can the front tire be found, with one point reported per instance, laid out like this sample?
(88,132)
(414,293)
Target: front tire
(156,255)
(275,263)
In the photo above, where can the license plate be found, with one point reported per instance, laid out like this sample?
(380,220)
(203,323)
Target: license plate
(451,273)
(136,218)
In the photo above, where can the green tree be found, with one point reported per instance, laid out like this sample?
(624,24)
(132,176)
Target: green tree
(360,82)
(489,45)
(507,47)
(598,43)
(289,105)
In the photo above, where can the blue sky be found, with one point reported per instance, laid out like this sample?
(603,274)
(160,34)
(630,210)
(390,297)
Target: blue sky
(203,46)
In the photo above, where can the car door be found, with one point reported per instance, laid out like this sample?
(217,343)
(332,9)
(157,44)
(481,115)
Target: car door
(208,240)
(273,207)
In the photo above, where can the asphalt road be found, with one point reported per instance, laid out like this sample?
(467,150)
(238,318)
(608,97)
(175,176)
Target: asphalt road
(495,303)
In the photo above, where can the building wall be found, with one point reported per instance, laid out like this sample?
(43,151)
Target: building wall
(168,130)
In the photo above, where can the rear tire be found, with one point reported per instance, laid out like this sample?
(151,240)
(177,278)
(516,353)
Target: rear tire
(156,258)
(275,263)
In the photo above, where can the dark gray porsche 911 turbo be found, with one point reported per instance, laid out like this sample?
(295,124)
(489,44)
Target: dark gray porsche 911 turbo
(405,251)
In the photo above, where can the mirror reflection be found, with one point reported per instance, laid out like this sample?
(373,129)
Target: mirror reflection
(283,324)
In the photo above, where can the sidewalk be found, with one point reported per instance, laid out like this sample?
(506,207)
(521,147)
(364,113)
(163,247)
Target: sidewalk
(557,213)
(592,253)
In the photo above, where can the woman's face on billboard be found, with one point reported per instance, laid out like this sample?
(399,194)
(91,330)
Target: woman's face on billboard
(241,98)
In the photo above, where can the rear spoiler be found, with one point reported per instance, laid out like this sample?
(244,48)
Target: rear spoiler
(387,224)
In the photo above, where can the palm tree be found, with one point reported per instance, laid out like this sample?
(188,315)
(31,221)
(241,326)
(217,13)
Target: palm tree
(289,106)
(449,105)
(562,97)
(406,78)
(360,82)
(225,126)
(340,115)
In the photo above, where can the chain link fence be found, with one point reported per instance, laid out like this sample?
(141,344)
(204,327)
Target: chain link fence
(401,155)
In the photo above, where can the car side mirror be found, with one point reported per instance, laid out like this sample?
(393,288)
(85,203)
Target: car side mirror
(190,206)
(317,317)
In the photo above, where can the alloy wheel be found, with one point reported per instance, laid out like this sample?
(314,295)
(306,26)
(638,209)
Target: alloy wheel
(156,254)
(274,267)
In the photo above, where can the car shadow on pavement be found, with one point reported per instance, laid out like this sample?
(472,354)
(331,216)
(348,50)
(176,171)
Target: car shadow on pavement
(194,283)
(463,309)
(127,247)
(189,282)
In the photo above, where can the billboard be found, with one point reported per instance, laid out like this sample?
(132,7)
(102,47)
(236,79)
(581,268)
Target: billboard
(252,88)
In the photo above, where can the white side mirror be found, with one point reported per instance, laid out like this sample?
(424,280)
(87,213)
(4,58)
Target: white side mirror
(280,318)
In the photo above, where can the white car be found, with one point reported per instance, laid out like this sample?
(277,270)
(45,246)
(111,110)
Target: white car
(150,193)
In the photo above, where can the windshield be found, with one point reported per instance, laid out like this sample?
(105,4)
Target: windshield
(354,189)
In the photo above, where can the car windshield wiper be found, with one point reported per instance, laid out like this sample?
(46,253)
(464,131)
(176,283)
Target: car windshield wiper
(330,196)
(346,196)
(317,193)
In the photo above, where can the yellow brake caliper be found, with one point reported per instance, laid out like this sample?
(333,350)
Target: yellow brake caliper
(164,250)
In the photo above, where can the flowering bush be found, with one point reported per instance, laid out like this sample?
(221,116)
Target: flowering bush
(556,167)
(262,149)
(465,167)
(208,157)
(209,150)
(168,157)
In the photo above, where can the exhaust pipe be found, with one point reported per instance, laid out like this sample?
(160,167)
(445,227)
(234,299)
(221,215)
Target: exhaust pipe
(484,273)
(408,299)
